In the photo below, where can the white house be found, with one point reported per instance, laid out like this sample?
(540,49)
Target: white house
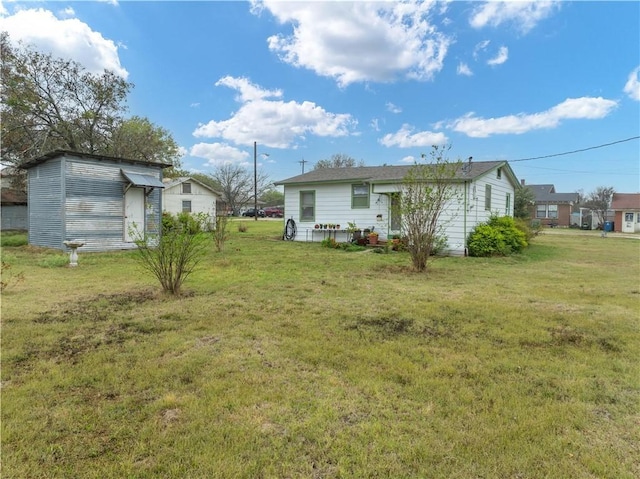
(189,195)
(322,202)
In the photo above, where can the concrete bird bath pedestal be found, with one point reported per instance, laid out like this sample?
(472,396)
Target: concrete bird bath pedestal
(73,256)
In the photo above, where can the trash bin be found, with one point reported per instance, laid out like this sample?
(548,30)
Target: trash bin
(608,226)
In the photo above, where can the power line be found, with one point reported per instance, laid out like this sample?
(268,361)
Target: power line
(576,151)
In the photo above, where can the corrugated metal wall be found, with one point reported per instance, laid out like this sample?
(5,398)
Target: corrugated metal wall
(46,214)
(86,203)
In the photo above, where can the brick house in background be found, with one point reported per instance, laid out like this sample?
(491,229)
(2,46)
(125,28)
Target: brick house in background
(626,207)
(551,208)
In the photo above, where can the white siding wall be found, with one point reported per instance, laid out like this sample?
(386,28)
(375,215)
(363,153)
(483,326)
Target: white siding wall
(202,200)
(333,206)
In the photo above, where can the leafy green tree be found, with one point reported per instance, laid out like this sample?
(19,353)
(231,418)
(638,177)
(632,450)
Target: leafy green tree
(426,191)
(138,138)
(272,197)
(50,103)
(338,160)
(524,199)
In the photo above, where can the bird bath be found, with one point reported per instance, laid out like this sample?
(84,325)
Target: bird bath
(73,256)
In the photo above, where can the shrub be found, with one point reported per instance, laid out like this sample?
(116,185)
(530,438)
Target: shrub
(498,237)
(242,228)
(173,256)
(330,243)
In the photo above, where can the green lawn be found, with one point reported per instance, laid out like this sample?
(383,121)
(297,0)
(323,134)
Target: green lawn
(289,360)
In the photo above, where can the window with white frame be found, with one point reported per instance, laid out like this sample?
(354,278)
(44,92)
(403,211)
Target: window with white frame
(628,217)
(186,188)
(360,196)
(307,206)
(541,211)
(552,212)
(487,197)
(507,205)
(186,206)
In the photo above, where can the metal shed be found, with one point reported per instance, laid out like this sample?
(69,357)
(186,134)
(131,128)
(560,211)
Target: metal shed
(103,201)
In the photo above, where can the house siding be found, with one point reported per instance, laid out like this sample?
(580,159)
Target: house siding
(72,198)
(202,200)
(333,206)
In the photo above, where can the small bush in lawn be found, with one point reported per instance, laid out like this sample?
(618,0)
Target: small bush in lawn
(220,233)
(242,227)
(498,237)
(330,243)
(173,256)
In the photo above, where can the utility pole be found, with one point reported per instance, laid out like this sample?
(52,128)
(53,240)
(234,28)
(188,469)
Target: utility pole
(255,181)
(302,162)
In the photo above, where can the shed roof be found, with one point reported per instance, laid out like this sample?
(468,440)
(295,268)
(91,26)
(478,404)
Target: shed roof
(56,153)
(625,201)
(138,179)
(390,174)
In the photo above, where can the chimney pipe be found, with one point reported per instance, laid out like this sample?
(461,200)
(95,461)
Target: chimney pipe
(522,181)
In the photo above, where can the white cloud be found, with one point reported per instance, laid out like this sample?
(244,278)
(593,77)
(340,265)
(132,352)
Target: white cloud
(463,69)
(273,123)
(500,58)
(375,124)
(480,47)
(393,108)
(360,41)
(218,154)
(585,108)
(632,87)
(248,91)
(525,15)
(408,159)
(65,38)
(406,138)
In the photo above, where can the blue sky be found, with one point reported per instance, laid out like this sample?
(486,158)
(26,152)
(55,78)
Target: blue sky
(380,82)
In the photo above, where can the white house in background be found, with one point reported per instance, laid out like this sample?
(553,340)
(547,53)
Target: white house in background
(188,195)
(365,196)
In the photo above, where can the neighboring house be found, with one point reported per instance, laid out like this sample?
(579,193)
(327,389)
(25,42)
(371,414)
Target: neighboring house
(551,208)
(14,209)
(626,207)
(367,196)
(105,202)
(189,195)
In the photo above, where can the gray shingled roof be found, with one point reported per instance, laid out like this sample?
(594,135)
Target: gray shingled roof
(384,174)
(547,194)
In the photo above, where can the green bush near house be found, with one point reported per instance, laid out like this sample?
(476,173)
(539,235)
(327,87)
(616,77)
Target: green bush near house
(500,236)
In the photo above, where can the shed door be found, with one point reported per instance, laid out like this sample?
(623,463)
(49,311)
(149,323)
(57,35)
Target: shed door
(133,214)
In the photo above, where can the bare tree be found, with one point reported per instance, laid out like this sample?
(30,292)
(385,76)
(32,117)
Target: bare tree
(599,201)
(237,185)
(338,160)
(425,193)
